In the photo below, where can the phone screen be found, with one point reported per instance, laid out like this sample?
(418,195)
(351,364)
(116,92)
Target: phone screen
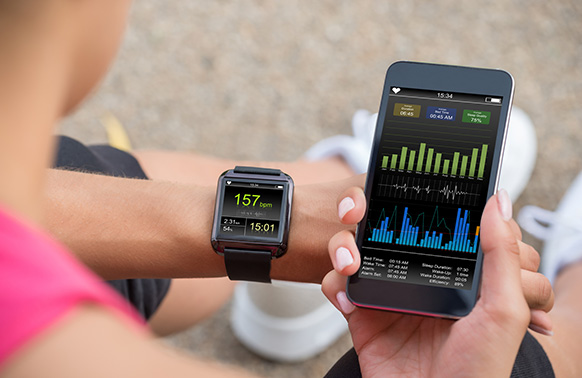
(429,188)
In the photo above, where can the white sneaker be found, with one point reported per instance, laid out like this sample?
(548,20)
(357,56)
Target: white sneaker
(518,161)
(520,154)
(285,321)
(355,150)
(561,230)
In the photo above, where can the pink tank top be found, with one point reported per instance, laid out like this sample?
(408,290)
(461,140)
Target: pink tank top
(40,282)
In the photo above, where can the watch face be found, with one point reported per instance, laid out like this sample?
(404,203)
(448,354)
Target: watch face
(251,209)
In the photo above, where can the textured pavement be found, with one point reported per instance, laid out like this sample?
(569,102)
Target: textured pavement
(267,79)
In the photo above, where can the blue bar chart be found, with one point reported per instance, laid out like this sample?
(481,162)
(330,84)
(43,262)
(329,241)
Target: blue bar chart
(458,239)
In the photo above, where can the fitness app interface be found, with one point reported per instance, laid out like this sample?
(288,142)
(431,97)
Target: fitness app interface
(430,188)
(251,209)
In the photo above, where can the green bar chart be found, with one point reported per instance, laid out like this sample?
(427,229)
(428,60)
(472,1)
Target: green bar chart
(437,163)
(385,162)
(411,160)
(420,157)
(473,162)
(427,159)
(455,163)
(393,162)
(403,157)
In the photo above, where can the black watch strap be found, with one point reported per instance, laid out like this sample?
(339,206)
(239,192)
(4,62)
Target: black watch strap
(248,265)
(257,170)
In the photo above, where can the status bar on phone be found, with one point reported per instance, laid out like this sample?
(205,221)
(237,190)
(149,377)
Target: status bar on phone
(446,96)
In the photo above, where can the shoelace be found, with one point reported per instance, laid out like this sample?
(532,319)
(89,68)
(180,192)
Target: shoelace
(538,222)
(363,126)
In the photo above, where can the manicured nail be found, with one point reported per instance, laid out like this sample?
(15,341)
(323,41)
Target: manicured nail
(504,204)
(541,330)
(343,258)
(344,206)
(541,322)
(345,305)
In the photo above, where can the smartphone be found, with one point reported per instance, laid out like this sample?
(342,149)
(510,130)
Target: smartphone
(435,161)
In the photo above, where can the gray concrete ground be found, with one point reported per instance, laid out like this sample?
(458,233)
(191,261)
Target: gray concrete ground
(267,79)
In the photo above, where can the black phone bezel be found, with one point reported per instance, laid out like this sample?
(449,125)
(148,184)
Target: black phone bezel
(421,299)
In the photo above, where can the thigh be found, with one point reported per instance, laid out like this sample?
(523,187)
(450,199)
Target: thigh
(190,301)
(564,347)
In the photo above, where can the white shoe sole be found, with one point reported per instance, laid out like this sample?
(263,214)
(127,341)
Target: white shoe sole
(292,338)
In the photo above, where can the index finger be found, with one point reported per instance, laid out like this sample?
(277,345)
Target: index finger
(515,228)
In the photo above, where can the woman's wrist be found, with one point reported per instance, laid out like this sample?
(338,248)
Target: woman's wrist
(314,220)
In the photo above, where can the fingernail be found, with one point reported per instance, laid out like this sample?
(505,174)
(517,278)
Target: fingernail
(540,330)
(505,206)
(345,305)
(344,206)
(343,258)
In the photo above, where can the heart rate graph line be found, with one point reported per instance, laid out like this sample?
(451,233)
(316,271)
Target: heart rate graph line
(446,191)
(461,193)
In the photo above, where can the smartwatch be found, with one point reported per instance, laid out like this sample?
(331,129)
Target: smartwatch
(251,221)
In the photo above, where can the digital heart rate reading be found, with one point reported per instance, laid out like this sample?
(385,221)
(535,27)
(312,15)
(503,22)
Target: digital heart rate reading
(247,199)
(251,210)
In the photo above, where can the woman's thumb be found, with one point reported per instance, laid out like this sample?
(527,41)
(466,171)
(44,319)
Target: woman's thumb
(501,283)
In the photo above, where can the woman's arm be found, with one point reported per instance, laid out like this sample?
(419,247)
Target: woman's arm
(128,228)
(91,341)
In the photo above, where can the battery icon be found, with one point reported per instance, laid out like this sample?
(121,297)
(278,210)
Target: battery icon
(493,100)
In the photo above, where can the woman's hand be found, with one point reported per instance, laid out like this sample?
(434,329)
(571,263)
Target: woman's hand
(484,343)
